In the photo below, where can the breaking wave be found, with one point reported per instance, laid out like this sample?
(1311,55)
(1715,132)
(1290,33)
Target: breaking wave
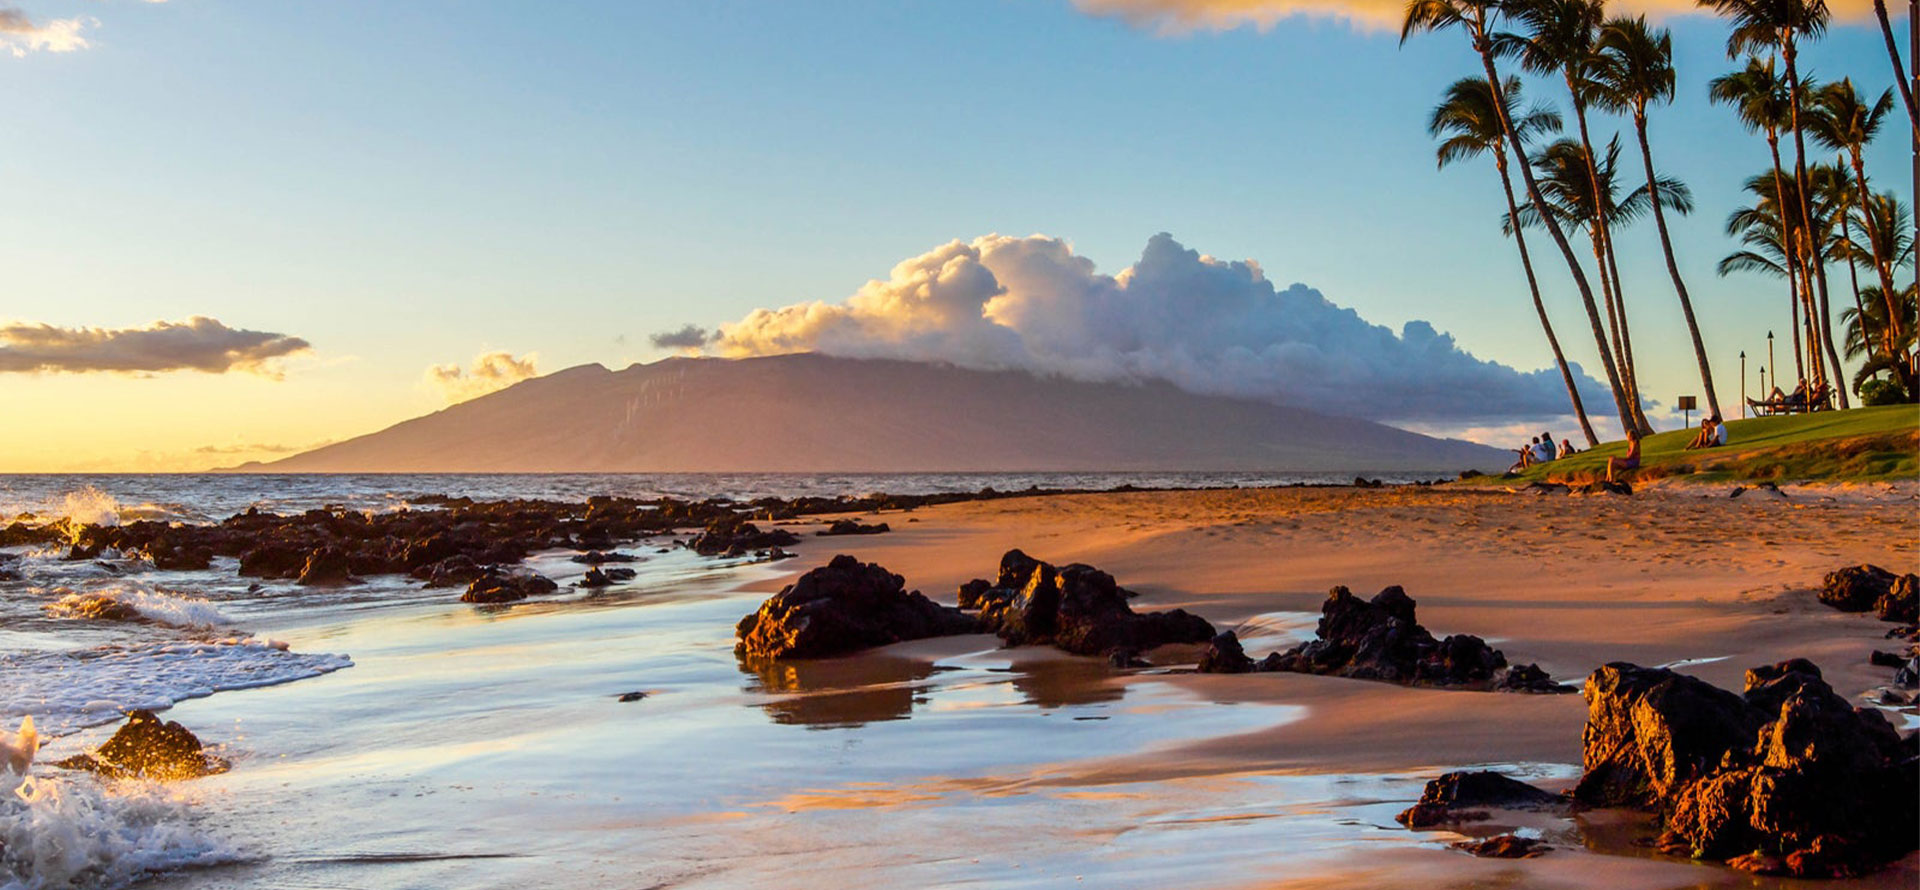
(73,831)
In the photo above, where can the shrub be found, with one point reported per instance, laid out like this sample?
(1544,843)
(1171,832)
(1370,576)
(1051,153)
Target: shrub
(1881,392)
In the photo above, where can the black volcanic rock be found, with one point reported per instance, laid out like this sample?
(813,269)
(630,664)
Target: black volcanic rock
(841,607)
(1079,609)
(1379,639)
(146,748)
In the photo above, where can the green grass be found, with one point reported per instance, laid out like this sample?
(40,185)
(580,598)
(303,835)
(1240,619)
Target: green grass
(1861,445)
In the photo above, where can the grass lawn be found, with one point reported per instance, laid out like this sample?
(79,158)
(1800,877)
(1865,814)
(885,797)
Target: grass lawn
(1861,445)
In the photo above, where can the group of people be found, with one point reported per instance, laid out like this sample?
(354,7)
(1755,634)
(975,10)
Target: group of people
(1713,434)
(1540,451)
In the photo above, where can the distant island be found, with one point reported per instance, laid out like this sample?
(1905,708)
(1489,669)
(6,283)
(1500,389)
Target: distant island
(811,413)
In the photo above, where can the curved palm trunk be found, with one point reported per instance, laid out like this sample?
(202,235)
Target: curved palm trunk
(1630,371)
(1673,267)
(1540,306)
(1882,264)
(1789,245)
(1853,275)
(1604,236)
(1899,70)
(1800,180)
(1485,51)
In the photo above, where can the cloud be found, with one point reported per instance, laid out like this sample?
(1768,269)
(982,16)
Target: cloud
(19,35)
(490,371)
(197,344)
(689,337)
(1185,16)
(261,448)
(1206,325)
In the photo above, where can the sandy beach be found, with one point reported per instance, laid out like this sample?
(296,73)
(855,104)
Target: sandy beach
(1674,575)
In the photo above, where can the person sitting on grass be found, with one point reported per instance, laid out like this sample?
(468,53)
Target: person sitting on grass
(1543,449)
(1566,449)
(1619,465)
(1706,437)
(1526,456)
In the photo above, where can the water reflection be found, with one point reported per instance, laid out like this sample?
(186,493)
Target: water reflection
(839,693)
(843,693)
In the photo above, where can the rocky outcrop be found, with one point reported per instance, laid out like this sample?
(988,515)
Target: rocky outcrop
(1224,655)
(1504,846)
(1464,797)
(1787,777)
(597,577)
(146,748)
(501,586)
(1379,639)
(326,566)
(852,527)
(1865,588)
(1077,608)
(844,606)
(735,537)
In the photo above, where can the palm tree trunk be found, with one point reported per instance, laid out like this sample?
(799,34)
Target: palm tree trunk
(1899,70)
(1540,306)
(1673,267)
(1800,180)
(1484,48)
(1605,238)
(1836,372)
(1882,264)
(1632,372)
(1790,246)
(1808,329)
(1853,274)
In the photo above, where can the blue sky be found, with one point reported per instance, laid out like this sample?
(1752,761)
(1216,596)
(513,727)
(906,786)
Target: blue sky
(408,184)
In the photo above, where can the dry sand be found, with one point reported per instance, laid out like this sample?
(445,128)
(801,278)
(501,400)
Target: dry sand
(1571,582)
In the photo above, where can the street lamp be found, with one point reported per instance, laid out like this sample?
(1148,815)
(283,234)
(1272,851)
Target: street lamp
(1743,383)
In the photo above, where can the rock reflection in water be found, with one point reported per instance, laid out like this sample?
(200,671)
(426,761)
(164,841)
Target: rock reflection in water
(1063,682)
(839,693)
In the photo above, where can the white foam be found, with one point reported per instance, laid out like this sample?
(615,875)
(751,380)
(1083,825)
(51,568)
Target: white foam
(74,689)
(71,831)
(152,603)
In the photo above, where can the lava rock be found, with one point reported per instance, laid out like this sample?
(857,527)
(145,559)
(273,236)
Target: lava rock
(597,557)
(1079,609)
(1786,778)
(506,587)
(844,606)
(146,748)
(1224,655)
(1454,796)
(325,566)
(1380,639)
(852,527)
(1504,846)
(733,536)
(1864,588)
(453,571)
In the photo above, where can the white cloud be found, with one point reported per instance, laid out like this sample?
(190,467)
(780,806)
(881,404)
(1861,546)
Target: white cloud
(489,372)
(1206,325)
(19,35)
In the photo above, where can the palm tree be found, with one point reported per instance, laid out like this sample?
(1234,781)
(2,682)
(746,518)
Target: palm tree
(1563,171)
(1772,229)
(1761,99)
(1826,220)
(1470,120)
(1560,37)
(1899,70)
(1779,24)
(1865,331)
(1637,70)
(1833,189)
(1475,18)
(1845,123)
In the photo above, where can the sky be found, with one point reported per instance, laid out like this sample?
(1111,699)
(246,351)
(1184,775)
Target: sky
(237,229)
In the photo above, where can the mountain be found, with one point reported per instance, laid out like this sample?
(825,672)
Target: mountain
(813,413)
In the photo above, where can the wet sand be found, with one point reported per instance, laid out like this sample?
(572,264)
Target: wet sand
(1671,575)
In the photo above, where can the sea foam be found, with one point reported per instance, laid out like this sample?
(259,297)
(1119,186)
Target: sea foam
(71,690)
(72,831)
(150,603)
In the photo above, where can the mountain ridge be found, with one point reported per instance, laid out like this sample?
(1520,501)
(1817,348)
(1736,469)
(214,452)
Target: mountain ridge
(813,413)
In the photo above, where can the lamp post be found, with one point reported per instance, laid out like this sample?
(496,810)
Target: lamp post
(1763,384)
(1743,384)
(1764,392)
